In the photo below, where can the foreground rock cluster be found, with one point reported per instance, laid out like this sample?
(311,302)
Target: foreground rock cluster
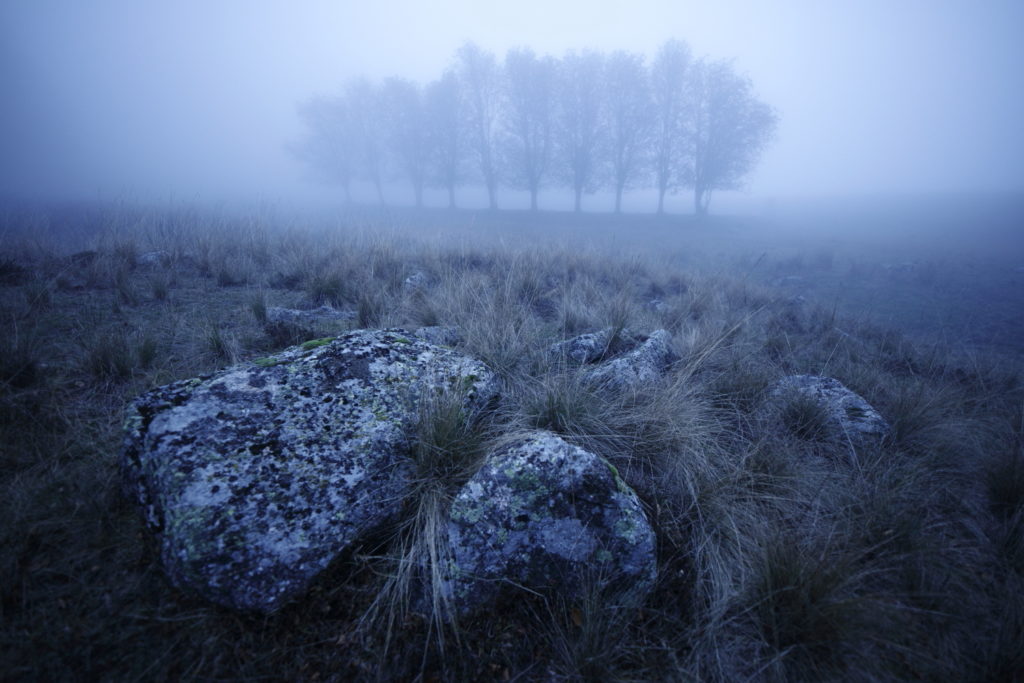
(255,478)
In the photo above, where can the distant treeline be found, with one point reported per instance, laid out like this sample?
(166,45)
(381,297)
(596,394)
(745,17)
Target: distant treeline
(587,121)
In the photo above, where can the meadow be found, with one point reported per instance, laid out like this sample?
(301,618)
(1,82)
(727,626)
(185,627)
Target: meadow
(777,559)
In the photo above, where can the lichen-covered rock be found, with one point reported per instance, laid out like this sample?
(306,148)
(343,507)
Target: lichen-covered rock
(645,363)
(548,516)
(256,477)
(594,346)
(799,402)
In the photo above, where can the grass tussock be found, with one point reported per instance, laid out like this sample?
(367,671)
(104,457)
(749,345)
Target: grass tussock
(776,561)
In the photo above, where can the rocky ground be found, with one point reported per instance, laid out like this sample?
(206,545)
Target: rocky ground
(234,449)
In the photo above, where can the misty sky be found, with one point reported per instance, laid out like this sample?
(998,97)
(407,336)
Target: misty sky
(196,98)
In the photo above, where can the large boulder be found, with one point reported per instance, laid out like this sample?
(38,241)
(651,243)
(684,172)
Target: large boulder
(822,409)
(548,516)
(256,477)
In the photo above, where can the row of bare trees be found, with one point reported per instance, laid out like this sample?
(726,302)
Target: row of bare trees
(588,121)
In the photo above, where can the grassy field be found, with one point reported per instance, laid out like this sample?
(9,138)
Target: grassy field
(777,559)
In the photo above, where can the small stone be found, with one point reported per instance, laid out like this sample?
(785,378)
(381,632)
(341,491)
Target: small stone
(646,363)
(847,418)
(594,346)
(417,281)
(311,317)
(440,335)
(154,259)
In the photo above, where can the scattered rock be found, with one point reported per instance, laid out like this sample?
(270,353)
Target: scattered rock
(658,306)
(595,346)
(823,409)
(256,477)
(550,517)
(308,318)
(71,282)
(415,282)
(788,281)
(286,326)
(645,363)
(82,259)
(154,259)
(440,335)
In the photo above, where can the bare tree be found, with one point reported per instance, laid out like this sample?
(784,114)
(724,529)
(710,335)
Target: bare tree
(329,147)
(367,126)
(480,88)
(405,115)
(670,72)
(578,121)
(630,120)
(444,133)
(730,130)
(529,107)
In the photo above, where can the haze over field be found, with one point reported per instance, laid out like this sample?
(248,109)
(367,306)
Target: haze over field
(188,100)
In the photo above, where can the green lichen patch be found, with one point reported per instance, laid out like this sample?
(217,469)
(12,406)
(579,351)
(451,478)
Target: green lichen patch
(267,362)
(316,343)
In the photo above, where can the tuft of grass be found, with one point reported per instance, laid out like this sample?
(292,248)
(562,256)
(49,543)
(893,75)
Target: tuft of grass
(160,286)
(577,633)
(449,449)
(125,287)
(805,418)
(109,357)
(808,608)
(258,306)
(39,295)
(370,308)
(1004,480)
(565,404)
(19,360)
(327,288)
(11,272)
(221,343)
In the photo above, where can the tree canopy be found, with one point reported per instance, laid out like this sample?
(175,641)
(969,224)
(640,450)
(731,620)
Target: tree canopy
(588,121)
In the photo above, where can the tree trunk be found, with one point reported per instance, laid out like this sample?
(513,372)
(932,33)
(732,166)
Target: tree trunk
(451,195)
(533,199)
(492,198)
(578,206)
(419,195)
(618,199)
(380,191)
(661,201)
(700,207)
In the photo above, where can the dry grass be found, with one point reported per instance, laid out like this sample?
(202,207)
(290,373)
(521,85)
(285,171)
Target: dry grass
(774,562)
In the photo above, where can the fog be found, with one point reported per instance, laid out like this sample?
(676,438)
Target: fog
(190,99)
